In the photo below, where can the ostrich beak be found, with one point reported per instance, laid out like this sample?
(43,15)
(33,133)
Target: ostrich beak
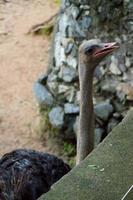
(105,49)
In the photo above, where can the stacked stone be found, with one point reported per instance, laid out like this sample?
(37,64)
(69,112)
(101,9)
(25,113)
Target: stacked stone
(59,89)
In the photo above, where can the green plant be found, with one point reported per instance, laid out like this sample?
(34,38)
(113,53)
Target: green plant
(46,30)
(45,128)
(71,162)
(58,2)
(69,149)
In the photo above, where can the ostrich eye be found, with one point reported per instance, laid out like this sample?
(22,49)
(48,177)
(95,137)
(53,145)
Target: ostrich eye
(91,49)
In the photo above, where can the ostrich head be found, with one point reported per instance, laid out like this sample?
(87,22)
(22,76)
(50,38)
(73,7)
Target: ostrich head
(93,51)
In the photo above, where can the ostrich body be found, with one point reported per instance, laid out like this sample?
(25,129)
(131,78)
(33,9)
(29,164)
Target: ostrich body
(26,174)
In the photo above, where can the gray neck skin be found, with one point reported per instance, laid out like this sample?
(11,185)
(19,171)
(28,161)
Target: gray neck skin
(85,137)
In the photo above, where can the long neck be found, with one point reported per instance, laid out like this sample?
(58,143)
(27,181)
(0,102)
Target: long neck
(85,137)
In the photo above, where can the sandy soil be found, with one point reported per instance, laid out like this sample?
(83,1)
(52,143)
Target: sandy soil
(22,58)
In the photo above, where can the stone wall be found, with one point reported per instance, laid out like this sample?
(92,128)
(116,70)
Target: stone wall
(113,85)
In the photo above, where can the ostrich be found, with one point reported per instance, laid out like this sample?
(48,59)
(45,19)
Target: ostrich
(26,174)
(91,53)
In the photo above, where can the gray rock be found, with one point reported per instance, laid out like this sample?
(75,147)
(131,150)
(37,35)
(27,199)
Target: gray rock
(72,62)
(69,48)
(64,4)
(98,136)
(103,110)
(64,22)
(84,2)
(75,11)
(77,100)
(59,54)
(63,88)
(52,77)
(124,37)
(117,39)
(69,31)
(126,1)
(118,106)
(42,95)
(76,126)
(114,66)
(75,31)
(109,85)
(112,123)
(69,28)
(121,96)
(85,7)
(70,95)
(74,51)
(76,2)
(67,73)
(128,76)
(117,115)
(56,117)
(99,72)
(85,22)
(71,108)
(52,86)
(52,83)
(122,67)
(127,62)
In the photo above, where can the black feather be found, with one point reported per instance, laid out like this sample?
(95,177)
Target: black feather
(27,174)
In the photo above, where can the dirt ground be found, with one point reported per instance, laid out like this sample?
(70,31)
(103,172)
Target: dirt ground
(22,59)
